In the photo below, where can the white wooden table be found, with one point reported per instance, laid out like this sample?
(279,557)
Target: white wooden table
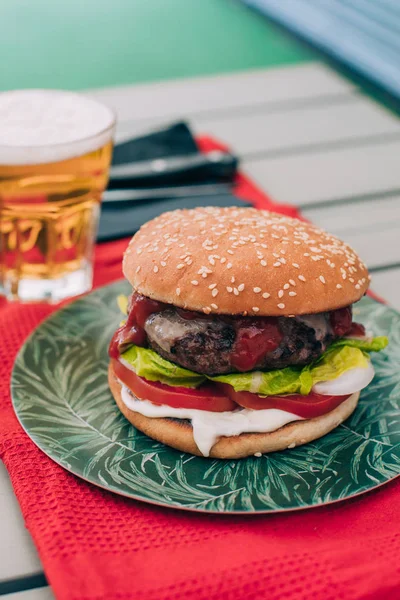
(307,137)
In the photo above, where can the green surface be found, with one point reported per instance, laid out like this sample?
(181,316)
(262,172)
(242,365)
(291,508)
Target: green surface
(79,44)
(61,396)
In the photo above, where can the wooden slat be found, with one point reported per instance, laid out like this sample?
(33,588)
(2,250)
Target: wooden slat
(44,593)
(324,176)
(291,130)
(18,556)
(387,285)
(372,227)
(288,130)
(223,92)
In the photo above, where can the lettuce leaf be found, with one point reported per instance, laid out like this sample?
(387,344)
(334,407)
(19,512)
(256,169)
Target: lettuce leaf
(290,380)
(150,365)
(122,302)
(342,355)
(336,361)
(375,344)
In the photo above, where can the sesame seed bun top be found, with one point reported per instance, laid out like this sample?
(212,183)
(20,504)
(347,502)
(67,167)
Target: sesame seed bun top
(243,261)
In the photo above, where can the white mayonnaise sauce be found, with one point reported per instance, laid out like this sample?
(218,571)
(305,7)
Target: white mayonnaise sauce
(350,382)
(208,426)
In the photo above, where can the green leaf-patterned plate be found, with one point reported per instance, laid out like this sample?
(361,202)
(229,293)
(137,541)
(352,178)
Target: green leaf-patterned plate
(61,397)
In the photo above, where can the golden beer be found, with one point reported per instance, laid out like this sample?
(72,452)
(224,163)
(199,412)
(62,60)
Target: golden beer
(55,153)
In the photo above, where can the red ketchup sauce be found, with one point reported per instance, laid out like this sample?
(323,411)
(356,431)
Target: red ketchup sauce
(132,332)
(357,330)
(253,341)
(341,321)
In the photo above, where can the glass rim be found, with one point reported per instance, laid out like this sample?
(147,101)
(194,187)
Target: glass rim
(101,133)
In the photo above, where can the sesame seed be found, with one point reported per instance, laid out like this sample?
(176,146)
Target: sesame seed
(280,293)
(286,286)
(214,306)
(194,282)
(256,290)
(178,291)
(229,266)
(163,263)
(263,263)
(180,266)
(266,295)
(295,265)
(207,310)
(230,252)
(322,279)
(277,264)
(232,280)
(223,260)
(214,293)
(301,277)
(204,275)
(138,269)
(229,290)
(241,287)
(211,260)
(339,286)
(281,305)
(292,282)
(155,269)
(351,279)
(255,309)
(357,286)
(236,291)
(212,286)
(292,294)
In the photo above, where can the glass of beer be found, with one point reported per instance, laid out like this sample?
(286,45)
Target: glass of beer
(55,153)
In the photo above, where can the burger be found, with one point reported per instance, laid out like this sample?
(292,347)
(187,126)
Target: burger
(238,338)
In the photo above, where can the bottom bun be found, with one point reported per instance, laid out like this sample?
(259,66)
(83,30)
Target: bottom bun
(179,434)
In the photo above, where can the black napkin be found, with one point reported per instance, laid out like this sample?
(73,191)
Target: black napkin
(173,140)
(164,170)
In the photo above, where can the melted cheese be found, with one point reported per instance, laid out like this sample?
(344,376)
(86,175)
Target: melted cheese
(208,426)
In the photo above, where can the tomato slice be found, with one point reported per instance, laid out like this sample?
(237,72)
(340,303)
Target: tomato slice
(207,397)
(222,397)
(308,407)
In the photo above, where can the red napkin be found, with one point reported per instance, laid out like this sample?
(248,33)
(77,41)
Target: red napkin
(98,546)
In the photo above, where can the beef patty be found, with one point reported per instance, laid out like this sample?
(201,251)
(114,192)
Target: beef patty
(222,344)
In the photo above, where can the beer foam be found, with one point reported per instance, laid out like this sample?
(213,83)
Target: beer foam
(39,126)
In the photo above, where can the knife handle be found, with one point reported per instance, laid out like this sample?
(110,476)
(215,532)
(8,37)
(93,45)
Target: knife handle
(212,165)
